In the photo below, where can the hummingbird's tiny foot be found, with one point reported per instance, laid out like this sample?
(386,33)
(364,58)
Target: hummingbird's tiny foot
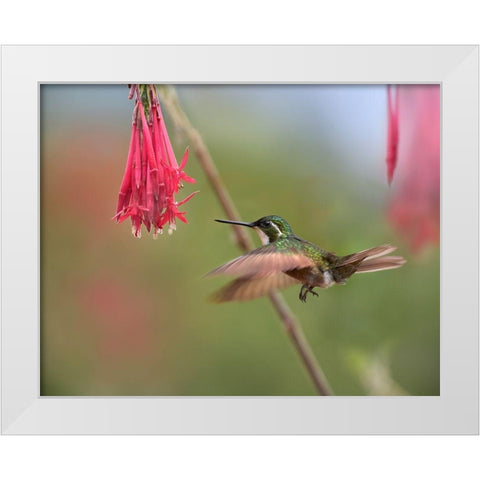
(303,294)
(304,291)
(312,292)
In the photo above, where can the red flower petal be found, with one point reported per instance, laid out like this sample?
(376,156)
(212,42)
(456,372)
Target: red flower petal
(186,199)
(184,160)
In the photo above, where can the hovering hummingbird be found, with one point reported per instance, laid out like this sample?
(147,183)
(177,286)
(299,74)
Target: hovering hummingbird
(285,259)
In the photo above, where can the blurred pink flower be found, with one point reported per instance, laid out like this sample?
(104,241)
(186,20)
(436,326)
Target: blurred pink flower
(118,316)
(413,157)
(152,176)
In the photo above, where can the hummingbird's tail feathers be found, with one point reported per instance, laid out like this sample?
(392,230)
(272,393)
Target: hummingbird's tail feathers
(380,263)
(366,254)
(248,288)
(370,260)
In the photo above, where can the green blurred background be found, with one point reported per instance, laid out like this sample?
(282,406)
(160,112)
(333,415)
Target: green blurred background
(127,316)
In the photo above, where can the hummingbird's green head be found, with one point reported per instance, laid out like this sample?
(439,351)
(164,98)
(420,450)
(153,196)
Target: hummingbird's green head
(269,228)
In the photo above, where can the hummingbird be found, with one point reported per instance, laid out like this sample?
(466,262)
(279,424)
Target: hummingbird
(285,259)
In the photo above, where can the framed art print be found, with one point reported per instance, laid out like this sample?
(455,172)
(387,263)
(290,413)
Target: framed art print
(126,308)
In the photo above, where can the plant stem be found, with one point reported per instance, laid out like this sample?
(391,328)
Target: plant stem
(244,242)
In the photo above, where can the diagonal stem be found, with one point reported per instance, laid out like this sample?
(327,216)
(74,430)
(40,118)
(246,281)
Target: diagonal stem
(244,242)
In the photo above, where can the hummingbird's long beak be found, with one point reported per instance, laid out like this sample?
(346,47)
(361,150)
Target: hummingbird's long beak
(235,223)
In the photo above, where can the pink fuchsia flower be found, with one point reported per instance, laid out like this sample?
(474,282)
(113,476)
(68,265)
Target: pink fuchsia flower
(413,158)
(152,175)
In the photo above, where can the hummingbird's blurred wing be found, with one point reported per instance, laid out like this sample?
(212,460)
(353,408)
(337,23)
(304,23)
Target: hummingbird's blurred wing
(265,260)
(248,288)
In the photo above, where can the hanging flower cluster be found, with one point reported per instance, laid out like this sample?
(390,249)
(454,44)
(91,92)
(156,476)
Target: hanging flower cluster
(152,176)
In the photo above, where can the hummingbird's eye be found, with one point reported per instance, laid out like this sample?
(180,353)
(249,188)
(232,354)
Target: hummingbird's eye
(267,223)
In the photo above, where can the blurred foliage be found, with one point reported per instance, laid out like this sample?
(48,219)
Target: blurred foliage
(123,316)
